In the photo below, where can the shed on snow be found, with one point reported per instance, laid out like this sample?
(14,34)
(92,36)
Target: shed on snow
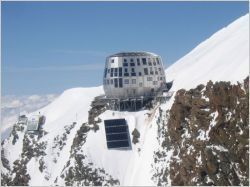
(22,119)
(35,122)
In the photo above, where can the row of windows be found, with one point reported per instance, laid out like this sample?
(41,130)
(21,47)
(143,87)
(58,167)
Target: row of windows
(118,83)
(138,61)
(117,72)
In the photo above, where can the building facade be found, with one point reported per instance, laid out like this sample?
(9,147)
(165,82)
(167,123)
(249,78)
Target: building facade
(133,75)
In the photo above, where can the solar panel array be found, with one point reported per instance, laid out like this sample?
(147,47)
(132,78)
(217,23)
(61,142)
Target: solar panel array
(117,134)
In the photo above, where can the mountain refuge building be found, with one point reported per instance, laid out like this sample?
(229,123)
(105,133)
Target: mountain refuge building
(133,75)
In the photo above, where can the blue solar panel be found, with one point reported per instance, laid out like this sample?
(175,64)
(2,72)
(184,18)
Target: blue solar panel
(117,133)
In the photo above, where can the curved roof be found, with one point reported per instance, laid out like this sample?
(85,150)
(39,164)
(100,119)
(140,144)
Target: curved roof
(137,53)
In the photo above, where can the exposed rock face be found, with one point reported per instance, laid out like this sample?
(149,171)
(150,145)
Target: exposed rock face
(207,136)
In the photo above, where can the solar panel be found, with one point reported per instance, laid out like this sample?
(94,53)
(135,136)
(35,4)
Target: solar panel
(117,134)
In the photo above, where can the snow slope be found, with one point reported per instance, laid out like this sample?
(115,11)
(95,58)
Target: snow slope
(224,56)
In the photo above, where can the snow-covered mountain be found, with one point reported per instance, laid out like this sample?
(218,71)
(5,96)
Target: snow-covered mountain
(71,148)
(224,56)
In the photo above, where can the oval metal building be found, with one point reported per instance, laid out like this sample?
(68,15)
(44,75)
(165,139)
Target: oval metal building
(133,75)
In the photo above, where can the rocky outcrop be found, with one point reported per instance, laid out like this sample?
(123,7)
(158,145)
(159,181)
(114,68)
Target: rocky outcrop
(207,135)
(77,171)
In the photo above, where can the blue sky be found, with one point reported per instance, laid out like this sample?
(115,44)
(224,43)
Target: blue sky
(48,47)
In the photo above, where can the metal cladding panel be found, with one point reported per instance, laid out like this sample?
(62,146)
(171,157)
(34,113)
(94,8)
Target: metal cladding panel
(117,134)
(32,126)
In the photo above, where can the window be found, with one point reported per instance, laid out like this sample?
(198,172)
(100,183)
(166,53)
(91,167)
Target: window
(161,78)
(132,64)
(108,70)
(149,62)
(116,72)
(158,60)
(160,71)
(120,83)
(154,61)
(116,83)
(126,81)
(140,84)
(125,64)
(154,82)
(139,73)
(145,71)
(126,74)
(112,60)
(151,71)
(156,72)
(133,72)
(120,72)
(124,60)
(133,81)
(105,72)
(112,71)
(149,78)
(144,61)
(138,62)
(131,60)
(126,70)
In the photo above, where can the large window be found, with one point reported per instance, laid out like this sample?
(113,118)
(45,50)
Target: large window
(145,71)
(133,81)
(138,62)
(144,61)
(112,71)
(133,72)
(154,62)
(116,72)
(151,71)
(116,83)
(120,83)
(149,62)
(158,60)
(120,72)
